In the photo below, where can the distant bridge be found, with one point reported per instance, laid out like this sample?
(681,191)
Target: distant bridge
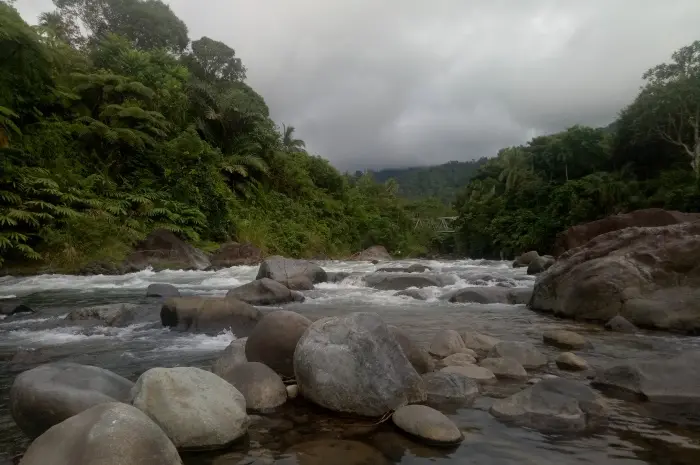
(443,224)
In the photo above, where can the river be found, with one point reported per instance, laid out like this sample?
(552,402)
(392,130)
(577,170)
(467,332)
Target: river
(632,437)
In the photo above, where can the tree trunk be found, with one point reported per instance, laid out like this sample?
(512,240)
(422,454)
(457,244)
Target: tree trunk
(566,171)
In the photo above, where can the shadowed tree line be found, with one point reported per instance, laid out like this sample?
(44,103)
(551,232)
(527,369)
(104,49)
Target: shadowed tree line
(649,157)
(114,123)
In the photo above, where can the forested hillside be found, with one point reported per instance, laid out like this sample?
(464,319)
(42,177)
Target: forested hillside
(442,181)
(649,157)
(114,122)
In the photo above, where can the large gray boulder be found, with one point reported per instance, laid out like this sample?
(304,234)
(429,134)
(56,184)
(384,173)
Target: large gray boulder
(231,356)
(264,292)
(196,408)
(162,290)
(399,282)
(554,406)
(664,381)
(646,275)
(117,315)
(48,394)
(209,315)
(262,388)
(446,342)
(525,353)
(353,364)
(274,340)
(450,388)
(162,249)
(106,434)
(416,354)
(281,269)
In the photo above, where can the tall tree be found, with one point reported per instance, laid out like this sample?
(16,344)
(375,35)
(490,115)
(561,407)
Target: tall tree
(214,62)
(289,143)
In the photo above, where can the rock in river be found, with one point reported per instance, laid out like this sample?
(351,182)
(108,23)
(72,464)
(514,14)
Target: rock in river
(554,406)
(416,354)
(479,342)
(427,424)
(505,368)
(162,290)
(450,388)
(525,353)
(446,342)
(399,282)
(564,339)
(458,359)
(376,252)
(621,325)
(264,292)
(647,275)
(209,315)
(235,254)
(479,374)
(572,362)
(418,294)
(281,269)
(106,434)
(195,408)
(231,356)
(353,364)
(274,340)
(116,315)
(48,394)
(262,388)
(525,259)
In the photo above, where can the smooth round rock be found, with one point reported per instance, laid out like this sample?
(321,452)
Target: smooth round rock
(274,340)
(564,339)
(196,408)
(446,343)
(262,388)
(106,434)
(458,359)
(572,362)
(292,391)
(427,424)
(479,342)
(525,353)
(48,394)
(505,368)
(479,374)
(450,388)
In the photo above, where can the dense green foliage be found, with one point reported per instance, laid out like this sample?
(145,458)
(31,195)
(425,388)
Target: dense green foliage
(443,182)
(112,126)
(649,157)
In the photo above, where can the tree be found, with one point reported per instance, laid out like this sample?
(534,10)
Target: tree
(669,104)
(289,143)
(214,62)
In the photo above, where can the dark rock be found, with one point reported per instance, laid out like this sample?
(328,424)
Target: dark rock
(209,315)
(446,342)
(540,264)
(162,290)
(195,408)
(525,259)
(417,355)
(418,294)
(15,309)
(235,254)
(105,268)
(620,324)
(489,295)
(353,364)
(525,353)
(415,268)
(116,315)
(164,250)
(396,282)
(281,269)
(450,388)
(579,235)
(106,434)
(647,275)
(554,406)
(48,394)
(262,388)
(274,340)
(337,276)
(427,424)
(264,292)
(375,253)
(519,296)
(231,356)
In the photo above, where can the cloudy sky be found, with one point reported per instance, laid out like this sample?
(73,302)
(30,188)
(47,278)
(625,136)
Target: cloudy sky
(378,83)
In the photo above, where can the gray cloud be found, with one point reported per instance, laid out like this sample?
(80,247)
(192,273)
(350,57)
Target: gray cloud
(408,82)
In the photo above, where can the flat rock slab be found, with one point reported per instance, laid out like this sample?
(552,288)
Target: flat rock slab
(427,424)
(106,434)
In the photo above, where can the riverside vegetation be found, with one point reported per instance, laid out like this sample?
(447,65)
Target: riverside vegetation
(111,128)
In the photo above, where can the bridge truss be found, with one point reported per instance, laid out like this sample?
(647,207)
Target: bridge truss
(443,224)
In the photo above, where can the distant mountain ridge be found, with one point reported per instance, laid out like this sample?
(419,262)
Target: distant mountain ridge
(440,181)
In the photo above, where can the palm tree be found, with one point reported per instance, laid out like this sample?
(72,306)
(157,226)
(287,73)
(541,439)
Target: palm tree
(515,167)
(289,143)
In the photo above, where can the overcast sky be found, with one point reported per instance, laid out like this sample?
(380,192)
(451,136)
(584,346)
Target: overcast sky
(379,83)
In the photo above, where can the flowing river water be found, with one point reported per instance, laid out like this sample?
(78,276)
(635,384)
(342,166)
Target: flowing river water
(635,435)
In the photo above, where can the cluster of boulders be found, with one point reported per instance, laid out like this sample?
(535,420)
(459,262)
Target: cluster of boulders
(534,262)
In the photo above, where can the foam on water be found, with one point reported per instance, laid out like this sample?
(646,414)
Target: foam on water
(198,342)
